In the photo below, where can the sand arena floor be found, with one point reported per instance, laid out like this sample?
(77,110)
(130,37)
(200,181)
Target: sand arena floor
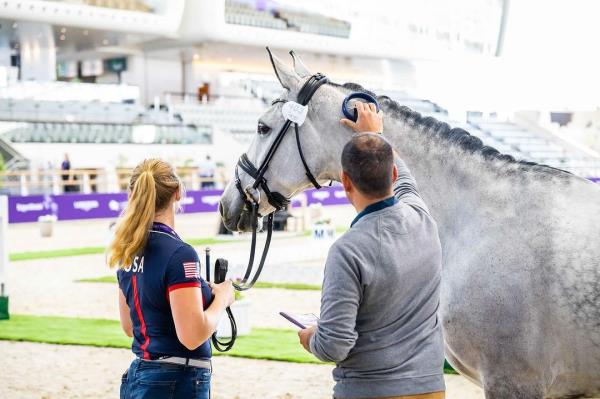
(48,287)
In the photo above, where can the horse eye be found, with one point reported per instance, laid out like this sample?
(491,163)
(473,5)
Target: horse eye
(262,128)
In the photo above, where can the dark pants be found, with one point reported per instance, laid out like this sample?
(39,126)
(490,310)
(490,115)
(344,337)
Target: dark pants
(153,380)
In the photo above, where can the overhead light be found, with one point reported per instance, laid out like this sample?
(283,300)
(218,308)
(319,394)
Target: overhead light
(63,30)
(15,25)
(196,57)
(62,37)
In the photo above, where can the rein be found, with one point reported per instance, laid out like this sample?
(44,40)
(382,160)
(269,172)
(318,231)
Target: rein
(251,195)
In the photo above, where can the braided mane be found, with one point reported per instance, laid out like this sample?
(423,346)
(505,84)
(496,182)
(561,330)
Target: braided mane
(453,136)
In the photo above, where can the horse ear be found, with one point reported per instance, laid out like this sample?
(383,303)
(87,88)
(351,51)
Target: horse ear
(299,66)
(286,76)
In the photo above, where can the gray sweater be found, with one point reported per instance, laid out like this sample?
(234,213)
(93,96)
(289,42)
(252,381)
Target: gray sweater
(380,299)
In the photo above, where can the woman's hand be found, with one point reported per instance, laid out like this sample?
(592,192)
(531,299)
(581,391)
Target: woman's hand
(369,120)
(224,292)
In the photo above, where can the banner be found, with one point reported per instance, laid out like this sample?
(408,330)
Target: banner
(98,206)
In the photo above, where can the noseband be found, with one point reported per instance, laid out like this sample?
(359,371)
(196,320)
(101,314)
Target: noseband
(251,194)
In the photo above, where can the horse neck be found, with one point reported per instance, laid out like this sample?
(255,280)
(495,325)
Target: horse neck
(451,181)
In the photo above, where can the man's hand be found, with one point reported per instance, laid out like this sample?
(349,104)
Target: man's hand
(369,120)
(305,336)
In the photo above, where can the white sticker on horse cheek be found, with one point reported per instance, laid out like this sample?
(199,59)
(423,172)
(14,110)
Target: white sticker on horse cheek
(295,112)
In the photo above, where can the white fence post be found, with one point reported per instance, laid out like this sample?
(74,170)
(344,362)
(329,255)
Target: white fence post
(23,185)
(195,182)
(87,188)
(56,188)
(3,256)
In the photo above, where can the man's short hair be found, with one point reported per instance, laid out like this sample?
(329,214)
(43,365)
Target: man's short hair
(368,160)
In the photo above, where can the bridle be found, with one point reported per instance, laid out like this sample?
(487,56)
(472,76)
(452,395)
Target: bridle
(277,200)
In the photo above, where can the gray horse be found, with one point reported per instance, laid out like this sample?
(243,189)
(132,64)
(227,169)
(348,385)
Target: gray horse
(521,278)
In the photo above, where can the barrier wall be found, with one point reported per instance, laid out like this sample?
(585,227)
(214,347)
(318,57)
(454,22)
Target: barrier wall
(96,206)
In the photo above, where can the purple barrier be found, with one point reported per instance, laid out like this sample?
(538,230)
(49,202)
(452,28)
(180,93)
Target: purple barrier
(97,206)
(334,195)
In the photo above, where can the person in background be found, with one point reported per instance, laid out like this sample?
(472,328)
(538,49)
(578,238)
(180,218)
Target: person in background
(381,287)
(165,305)
(65,166)
(206,171)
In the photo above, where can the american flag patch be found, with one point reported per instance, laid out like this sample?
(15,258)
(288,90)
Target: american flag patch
(191,269)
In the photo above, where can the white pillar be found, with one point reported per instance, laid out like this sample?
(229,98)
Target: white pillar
(5,52)
(37,50)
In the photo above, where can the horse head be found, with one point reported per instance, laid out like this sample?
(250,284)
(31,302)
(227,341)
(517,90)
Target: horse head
(321,139)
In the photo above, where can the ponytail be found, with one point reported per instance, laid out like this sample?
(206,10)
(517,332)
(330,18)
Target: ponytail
(151,189)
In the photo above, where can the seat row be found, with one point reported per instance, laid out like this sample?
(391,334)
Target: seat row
(107,133)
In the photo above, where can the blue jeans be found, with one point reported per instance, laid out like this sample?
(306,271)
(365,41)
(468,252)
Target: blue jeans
(153,380)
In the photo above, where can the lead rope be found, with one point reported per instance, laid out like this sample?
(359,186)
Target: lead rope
(242,286)
(220,275)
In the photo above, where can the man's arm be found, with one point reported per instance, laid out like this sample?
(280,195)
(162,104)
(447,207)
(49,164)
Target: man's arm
(405,186)
(336,333)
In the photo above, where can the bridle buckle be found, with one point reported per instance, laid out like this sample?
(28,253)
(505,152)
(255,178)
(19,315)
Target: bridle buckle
(252,194)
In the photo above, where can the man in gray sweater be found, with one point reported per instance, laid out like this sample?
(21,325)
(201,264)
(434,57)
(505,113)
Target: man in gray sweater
(381,289)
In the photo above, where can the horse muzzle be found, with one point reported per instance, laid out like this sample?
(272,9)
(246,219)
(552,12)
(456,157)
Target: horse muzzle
(237,217)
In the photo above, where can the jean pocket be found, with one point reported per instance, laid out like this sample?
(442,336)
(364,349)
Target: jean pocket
(152,389)
(202,385)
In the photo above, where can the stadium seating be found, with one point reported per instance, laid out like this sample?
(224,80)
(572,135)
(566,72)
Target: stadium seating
(243,14)
(129,5)
(532,146)
(105,122)
(316,24)
(71,92)
(68,111)
(68,132)
(236,117)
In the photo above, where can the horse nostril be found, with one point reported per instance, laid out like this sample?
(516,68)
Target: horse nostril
(221,208)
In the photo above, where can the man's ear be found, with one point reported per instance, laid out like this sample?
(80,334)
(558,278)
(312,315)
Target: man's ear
(286,76)
(178,194)
(395,174)
(346,182)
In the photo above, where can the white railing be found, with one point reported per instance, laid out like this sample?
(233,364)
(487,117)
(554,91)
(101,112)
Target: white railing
(85,181)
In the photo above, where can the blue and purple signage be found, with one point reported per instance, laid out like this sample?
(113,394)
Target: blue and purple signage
(97,206)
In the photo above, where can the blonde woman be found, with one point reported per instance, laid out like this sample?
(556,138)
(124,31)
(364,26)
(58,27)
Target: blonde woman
(164,304)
